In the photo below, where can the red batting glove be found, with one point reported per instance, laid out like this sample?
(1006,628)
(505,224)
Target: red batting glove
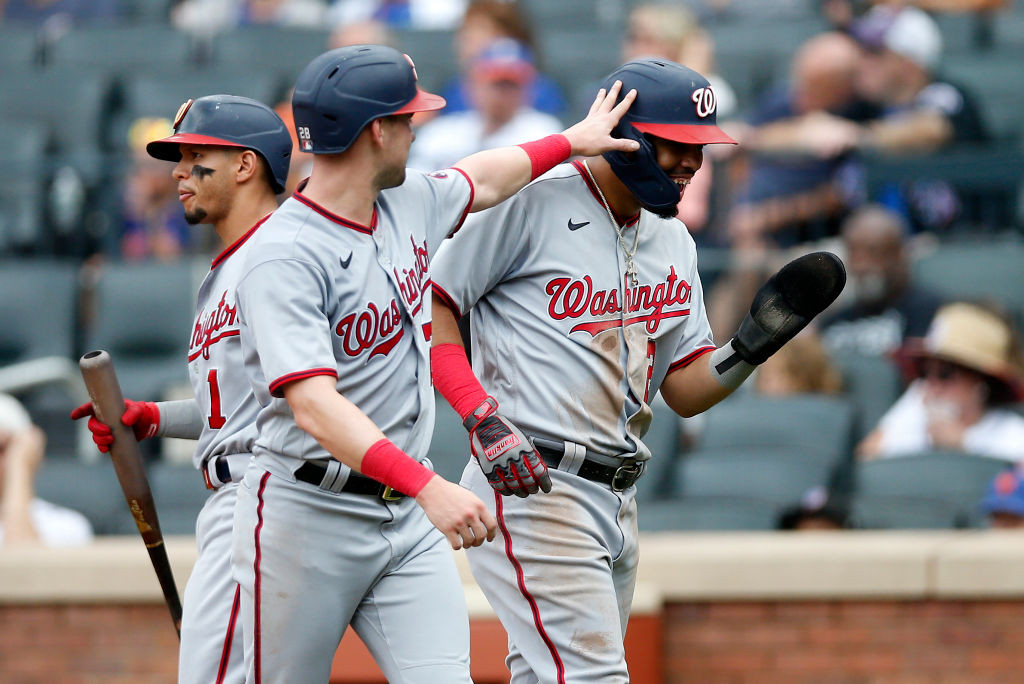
(143,417)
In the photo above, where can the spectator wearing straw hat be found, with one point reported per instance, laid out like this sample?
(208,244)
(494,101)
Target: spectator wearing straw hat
(967,371)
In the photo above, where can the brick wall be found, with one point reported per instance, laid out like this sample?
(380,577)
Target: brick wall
(833,642)
(87,644)
(846,642)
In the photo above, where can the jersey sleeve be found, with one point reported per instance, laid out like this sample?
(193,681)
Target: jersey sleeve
(697,339)
(452,193)
(489,249)
(282,303)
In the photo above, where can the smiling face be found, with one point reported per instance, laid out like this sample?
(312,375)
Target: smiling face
(680,161)
(204,175)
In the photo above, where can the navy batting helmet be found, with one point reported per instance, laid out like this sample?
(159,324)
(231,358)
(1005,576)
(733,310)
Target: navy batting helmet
(672,102)
(343,90)
(230,121)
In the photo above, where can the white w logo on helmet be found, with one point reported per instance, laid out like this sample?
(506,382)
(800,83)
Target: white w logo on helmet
(705,101)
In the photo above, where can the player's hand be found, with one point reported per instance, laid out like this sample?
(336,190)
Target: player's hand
(143,417)
(460,515)
(593,135)
(506,456)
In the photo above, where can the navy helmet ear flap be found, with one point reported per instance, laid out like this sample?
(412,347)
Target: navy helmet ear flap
(639,171)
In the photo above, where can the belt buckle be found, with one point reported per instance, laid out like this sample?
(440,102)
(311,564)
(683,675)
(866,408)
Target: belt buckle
(389,494)
(626,475)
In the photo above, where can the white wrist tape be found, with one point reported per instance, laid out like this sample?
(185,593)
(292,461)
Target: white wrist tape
(728,368)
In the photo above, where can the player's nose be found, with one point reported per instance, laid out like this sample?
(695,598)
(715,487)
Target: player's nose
(180,171)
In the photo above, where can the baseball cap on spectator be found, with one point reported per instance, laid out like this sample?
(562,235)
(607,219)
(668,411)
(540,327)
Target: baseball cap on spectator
(1005,494)
(505,60)
(909,32)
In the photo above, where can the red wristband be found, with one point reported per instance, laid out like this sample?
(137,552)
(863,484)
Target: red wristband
(546,153)
(386,463)
(454,379)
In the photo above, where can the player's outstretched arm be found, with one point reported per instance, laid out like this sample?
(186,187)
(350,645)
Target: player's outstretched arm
(505,455)
(500,173)
(180,419)
(783,306)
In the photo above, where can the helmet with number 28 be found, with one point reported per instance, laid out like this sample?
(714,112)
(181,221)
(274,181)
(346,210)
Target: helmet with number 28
(343,90)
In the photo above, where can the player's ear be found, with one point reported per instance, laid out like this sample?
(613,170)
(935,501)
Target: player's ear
(248,165)
(376,129)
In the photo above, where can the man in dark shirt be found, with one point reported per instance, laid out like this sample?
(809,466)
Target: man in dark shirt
(885,307)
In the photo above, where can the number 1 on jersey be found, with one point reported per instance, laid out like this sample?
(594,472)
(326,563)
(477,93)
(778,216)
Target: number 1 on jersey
(216,420)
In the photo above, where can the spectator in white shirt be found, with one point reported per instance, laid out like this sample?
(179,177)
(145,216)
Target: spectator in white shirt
(968,371)
(499,84)
(24,519)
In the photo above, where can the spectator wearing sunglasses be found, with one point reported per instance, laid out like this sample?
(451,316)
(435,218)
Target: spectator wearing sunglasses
(967,372)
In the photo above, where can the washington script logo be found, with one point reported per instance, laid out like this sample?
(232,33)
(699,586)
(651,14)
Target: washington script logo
(209,328)
(375,328)
(578,299)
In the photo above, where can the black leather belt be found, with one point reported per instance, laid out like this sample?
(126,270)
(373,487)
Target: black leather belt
(313,473)
(618,477)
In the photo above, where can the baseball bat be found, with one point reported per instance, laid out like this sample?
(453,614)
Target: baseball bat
(105,392)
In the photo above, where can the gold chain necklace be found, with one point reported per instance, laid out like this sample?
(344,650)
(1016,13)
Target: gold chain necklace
(630,264)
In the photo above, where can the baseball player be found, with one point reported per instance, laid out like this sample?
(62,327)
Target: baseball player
(232,157)
(586,302)
(336,516)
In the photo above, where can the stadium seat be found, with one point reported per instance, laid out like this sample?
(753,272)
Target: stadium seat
(179,494)
(568,15)
(707,513)
(274,50)
(579,58)
(158,94)
(813,424)
(38,309)
(90,489)
(449,446)
(72,103)
(433,52)
(143,315)
(121,49)
(23,182)
(987,178)
(664,442)
(976,271)
(903,513)
(992,78)
(872,383)
(927,486)
(19,49)
(778,474)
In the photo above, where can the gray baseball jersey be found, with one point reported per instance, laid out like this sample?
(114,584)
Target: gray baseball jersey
(561,339)
(573,351)
(211,637)
(323,295)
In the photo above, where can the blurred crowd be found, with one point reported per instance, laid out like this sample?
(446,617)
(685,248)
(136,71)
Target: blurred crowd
(867,82)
